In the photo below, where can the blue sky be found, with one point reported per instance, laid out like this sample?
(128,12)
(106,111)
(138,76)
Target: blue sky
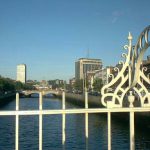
(50,35)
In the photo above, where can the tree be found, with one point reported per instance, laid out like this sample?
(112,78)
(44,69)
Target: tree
(18,85)
(22,86)
(78,85)
(97,84)
(7,84)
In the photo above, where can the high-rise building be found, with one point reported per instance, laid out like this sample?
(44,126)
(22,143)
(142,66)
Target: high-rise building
(21,73)
(83,66)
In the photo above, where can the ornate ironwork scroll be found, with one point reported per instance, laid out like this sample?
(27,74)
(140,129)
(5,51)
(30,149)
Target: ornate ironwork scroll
(129,78)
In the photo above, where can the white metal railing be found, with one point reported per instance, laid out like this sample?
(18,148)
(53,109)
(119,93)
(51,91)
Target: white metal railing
(65,111)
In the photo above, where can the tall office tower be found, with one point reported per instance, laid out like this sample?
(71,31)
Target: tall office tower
(85,66)
(21,73)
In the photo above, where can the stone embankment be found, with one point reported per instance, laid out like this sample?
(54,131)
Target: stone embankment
(79,99)
(95,102)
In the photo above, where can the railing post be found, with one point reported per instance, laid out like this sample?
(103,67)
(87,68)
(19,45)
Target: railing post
(17,123)
(40,121)
(109,130)
(132,144)
(63,121)
(86,119)
(131,99)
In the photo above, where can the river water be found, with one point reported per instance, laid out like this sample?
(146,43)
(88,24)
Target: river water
(75,132)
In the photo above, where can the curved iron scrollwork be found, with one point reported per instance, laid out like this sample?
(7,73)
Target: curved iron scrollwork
(129,76)
(142,44)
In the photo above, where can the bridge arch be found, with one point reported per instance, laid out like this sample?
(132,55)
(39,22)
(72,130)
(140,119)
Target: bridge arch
(52,92)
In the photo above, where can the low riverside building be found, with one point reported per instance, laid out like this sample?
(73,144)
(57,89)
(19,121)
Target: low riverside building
(103,74)
(72,81)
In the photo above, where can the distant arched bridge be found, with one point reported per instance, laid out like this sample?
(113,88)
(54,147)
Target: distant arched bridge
(44,92)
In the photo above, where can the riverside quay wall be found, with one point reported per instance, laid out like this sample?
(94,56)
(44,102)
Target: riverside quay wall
(95,102)
(79,99)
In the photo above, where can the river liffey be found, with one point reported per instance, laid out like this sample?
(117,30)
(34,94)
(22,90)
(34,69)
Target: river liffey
(75,131)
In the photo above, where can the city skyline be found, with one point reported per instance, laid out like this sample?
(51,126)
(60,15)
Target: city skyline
(49,36)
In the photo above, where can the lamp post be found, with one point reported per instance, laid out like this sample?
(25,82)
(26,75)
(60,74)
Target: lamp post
(64,85)
(85,82)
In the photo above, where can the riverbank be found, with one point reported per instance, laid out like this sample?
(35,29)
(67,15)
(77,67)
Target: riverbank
(79,99)
(5,98)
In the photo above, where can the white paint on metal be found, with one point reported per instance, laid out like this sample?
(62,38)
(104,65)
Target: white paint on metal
(40,121)
(86,120)
(131,99)
(109,129)
(17,123)
(63,121)
(132,126)
(132,73)
(72,111)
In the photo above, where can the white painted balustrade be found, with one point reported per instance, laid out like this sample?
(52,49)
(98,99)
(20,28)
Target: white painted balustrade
(65,111)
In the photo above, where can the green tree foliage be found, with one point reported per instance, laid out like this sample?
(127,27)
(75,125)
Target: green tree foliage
(7,84)
(22,86)
(18,85)
(57,83)
(78,85)
(97,84)
(69,87)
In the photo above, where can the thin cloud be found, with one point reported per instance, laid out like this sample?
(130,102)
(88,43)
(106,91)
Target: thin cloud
(116,15)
